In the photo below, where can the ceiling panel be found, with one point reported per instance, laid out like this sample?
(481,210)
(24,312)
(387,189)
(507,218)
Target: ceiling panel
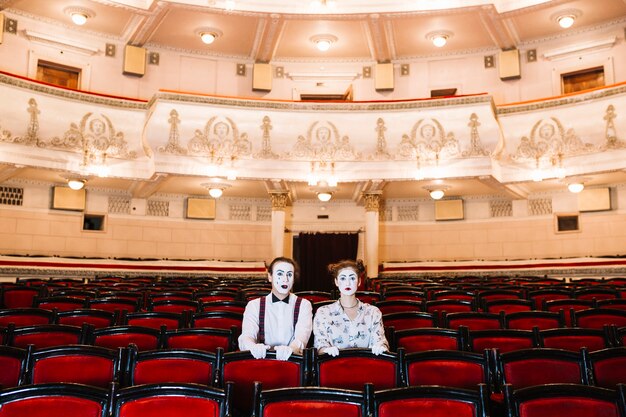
(468,33)
(351,39)
(179,27)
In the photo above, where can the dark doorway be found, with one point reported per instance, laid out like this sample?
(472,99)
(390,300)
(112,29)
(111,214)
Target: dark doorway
(314,251)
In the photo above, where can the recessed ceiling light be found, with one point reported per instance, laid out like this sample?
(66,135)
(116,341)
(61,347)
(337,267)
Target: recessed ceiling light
(439,38)
(323,42)
(208,35)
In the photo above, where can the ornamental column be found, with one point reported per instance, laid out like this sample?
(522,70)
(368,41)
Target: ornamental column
(372,206)
(279,202)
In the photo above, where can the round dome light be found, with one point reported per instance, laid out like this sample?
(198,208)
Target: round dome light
(575,187)
(324,196)
(437,194)
(216,192)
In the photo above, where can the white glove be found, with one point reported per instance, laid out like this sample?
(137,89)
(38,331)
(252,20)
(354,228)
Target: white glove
(283,352)
(259,350)
(378,349)
(332,351)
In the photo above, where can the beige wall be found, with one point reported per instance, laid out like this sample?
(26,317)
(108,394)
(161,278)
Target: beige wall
(530,238)
(41,232)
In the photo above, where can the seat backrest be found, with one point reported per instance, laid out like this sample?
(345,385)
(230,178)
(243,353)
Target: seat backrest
(114,337)
(507,305)
(449,306)
(244,370)
(428,401)
(207,339)
(571,400)
(172,400)
(174,306)
(60,302)
(314,296)
(473,320)
(216,295)
(19,296)
(46,335)
(45,400)
(607,367)
(355,367)
(226,305)
(173,366)
(410,320)
(217,319)
(453,368)
(395,306)
(13,366)
(527,320)
(528,367)
(575,338)
(114,303)
(309,402)
(596,293)
(418,340)
(614,303)
(96,318)
(505,340)
(548,294)
(79,364)
(596,318)
(25,316)
(155,319)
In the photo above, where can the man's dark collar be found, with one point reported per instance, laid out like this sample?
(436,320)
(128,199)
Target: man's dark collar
(276,299)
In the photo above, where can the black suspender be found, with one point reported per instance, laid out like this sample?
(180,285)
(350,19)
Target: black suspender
(296,315)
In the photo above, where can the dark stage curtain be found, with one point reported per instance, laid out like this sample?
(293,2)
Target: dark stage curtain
(316,251)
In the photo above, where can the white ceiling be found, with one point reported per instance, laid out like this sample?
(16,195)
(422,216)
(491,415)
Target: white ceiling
(274,30)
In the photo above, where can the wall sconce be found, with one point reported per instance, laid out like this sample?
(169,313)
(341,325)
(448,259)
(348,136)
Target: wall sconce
(324,42)
(566,18)
(79,15)
(216,187)
(439,38)
(437,192)
(208,35)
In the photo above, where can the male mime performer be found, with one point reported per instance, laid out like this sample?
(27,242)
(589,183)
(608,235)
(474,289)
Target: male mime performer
(280,320)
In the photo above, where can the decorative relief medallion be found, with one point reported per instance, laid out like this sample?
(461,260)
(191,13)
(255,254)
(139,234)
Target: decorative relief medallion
(220,140)
(96,137)
(549,140)
(610,133)
(266,147)
(476,147)
(323,143)
(429,141)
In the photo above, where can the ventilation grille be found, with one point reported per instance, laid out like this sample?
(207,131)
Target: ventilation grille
(501,208)
(264,213)
(408,213)
(240,212)
(119,205)
(540,206)
(158,208)
(11,196)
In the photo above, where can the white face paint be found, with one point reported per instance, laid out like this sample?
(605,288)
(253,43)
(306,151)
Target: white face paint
(282,277)
(347,281)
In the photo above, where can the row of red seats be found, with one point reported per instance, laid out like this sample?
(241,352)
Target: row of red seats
(491,372)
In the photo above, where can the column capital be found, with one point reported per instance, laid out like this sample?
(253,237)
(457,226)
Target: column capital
(372,200)
(279,199)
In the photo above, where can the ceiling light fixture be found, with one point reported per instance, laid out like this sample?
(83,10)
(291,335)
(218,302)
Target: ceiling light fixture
(437,192)
(216,187)
(575,187)
(324,196)
(566,18)
(324,42)
(79,15)
(208,35)
(439,38)
(76,184)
